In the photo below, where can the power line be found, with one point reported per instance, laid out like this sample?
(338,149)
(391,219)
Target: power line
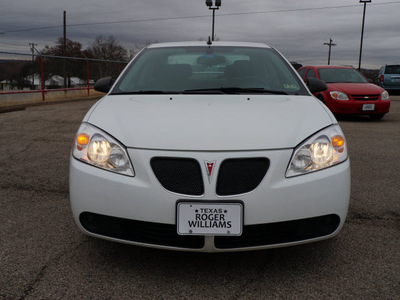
(199,16)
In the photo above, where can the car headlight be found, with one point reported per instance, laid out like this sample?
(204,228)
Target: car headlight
(385,96)
(324,149)
(97,148)
(339,95)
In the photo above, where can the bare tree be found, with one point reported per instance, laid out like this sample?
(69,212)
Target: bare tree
(54,66)
(107,49)
(139,47)
(73,48)
(16,73)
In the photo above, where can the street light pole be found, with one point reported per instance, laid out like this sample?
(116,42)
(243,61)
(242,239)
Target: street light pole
(209,3)
(330,44)
(362,31)
(213,24)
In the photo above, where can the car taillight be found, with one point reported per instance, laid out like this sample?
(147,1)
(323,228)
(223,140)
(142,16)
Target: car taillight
(381,78)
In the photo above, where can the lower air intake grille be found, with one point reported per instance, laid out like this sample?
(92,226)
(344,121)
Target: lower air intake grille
(179,175)
(280,233)
(242,175)
(138,231)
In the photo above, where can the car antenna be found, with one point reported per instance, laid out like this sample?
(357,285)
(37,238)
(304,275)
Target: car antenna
(209,41)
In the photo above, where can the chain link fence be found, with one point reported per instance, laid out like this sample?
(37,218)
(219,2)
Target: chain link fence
(27,77)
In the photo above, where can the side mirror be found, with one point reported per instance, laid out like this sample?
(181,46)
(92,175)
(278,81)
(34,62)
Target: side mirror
(104,84)
(316,85)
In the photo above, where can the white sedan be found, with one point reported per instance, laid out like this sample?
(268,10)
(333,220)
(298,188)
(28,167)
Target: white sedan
(210,147)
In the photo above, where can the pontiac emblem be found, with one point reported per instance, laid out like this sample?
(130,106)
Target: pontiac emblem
(209,169)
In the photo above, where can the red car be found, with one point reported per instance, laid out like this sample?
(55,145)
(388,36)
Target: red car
(349,92)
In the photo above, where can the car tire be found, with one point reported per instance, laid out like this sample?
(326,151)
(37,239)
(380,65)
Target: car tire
(376,116)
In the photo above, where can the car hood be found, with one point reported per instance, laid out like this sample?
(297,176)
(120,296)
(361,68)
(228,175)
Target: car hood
(355,88)
(209,122)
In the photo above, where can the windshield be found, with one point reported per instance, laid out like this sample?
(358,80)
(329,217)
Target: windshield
(341,75)
(214,69)
(392,70)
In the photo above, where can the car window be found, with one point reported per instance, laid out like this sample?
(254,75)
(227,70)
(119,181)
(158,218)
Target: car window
(302,72)
(392,70)
(179,69)
(341,75)
(311,74)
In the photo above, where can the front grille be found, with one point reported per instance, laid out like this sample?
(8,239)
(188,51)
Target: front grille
(138,231)
(242,175)
(179,175)
(365,97)
(279,233)
(183,175)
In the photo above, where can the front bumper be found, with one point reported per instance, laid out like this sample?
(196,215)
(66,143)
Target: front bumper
(356,107)
(279,212)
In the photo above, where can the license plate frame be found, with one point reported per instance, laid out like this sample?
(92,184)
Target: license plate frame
(368,107)
(209,218)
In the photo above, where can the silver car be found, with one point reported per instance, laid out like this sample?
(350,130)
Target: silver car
(389,77)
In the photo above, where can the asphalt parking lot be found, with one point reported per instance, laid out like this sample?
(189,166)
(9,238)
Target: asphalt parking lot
(43,255)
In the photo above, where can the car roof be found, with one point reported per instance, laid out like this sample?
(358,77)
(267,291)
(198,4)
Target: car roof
(204,43)
(329,67)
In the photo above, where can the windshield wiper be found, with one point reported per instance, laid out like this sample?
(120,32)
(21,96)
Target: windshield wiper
(234,90)
(221,90)
(145,92)
(253,90)
(203,91)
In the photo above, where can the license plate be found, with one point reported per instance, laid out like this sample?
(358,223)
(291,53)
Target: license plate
(367,107)
(209,218)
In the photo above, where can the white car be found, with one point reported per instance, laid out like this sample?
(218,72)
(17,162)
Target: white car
(210,147)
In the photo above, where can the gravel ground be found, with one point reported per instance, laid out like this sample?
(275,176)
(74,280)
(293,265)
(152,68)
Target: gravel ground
(44,256)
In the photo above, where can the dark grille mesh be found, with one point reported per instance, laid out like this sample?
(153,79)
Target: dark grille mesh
(239,176)
(280,233)
(166,235)
(365,97)
(139,231)
(179,175)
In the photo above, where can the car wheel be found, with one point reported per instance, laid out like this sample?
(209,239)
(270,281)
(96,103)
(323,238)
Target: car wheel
(376,116)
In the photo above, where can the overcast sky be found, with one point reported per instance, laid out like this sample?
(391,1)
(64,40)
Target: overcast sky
(298,29)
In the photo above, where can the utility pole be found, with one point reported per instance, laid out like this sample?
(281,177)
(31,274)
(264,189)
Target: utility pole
(64,49)
(32,45)
(330,44)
